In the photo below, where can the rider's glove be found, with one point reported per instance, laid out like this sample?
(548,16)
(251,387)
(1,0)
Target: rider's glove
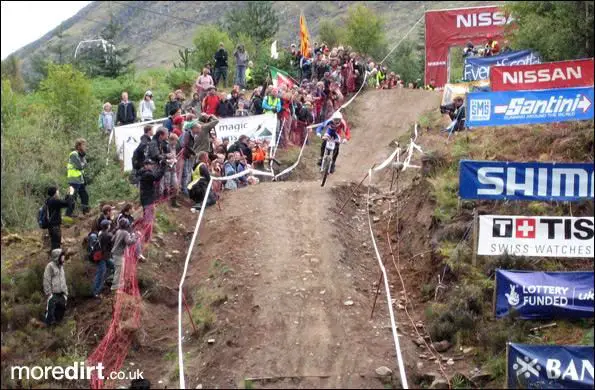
(344,141)
(319,135)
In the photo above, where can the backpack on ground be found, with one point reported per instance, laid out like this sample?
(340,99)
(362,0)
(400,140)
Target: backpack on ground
(140,155)
(43,216)
(94,252)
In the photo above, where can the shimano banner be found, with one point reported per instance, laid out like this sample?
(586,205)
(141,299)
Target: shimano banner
(501,180)
(549,366)
(544,295)
(535,236)
(524,107)
(478,68)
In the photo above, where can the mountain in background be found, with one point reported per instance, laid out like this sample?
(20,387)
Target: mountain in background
(156,30)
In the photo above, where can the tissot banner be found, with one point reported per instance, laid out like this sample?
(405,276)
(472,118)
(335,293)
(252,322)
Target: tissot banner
(548,75)
(478,68)
(549,366)
(549,181)
(535,236)
(544,295)
(526,107)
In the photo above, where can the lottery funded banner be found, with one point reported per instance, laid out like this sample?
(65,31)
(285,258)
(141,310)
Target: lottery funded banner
(544,295)
(547,75)
(526,107)
(535,236)
(534,181)
(549,366)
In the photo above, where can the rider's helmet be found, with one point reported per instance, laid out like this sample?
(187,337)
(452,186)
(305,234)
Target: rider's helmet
(337,117)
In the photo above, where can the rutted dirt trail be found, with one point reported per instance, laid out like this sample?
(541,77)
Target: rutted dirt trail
(301,316)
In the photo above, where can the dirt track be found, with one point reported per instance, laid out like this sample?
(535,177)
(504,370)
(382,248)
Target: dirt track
(290,322)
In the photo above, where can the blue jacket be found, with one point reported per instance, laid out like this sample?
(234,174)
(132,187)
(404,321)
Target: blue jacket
(329,131)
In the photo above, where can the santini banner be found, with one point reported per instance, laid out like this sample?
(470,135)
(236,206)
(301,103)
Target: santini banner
(478,68)
(548,75)
(544,295)
(525,107)
(549,366)
(535,236)
(501,180)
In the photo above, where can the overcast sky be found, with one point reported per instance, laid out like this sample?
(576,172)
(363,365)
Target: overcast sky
(25,21)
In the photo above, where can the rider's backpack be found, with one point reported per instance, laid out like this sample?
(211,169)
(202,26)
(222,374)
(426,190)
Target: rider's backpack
(94,252)
(43,216)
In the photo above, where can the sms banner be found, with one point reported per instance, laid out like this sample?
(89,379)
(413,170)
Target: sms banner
(549,366)
(548,75)
(535,236)
(544,295)
(478,68)
(526,107)
(533,181)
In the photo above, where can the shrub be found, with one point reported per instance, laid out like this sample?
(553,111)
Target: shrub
(181,79)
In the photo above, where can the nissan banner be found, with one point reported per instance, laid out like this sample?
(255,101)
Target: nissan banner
(548,75)
(526,107)
(549,366)
(478,68)
(544,295)
(535,236)
(534,181)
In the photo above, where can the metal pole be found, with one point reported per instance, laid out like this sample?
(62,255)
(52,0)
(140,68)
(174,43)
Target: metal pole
(475,229)
(376,296)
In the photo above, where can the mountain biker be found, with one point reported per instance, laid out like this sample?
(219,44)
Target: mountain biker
(334,128)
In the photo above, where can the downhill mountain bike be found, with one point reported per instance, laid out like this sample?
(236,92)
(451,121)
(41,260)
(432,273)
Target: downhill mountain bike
(327,159)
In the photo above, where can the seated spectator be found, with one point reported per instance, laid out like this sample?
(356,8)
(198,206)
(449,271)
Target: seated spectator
(456,112)
(256,102)
(169,122)
(241,166)
(229,169)
(225,108)
(241,111)
(242,146)
(194,104)
(55,288)
(259,154)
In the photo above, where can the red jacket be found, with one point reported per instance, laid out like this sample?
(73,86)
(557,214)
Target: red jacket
(210,104)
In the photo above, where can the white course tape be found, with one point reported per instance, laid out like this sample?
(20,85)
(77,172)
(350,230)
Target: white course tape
(402,39)
(291,168)
(402,374)
(180,291)
(390,158)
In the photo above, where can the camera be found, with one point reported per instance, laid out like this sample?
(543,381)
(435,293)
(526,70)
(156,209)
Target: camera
(447,108)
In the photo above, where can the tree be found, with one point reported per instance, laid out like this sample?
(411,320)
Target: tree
(558,30)
(184,59)
(365,31)
(59,48)
(11,70)
(257,19)
(206,42)
(330,33)
(405,62)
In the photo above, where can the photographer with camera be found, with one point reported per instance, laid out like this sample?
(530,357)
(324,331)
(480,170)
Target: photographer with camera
(456,112)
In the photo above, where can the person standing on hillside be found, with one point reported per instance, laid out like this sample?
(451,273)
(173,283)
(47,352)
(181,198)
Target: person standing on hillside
(54,210)
(221,65)
(148,177)
(203,83)
(107,119)
(122,239)
(126,111)
(105,243)
(146,107)
(242,59)
(55,288)
(211,102)
(75,175)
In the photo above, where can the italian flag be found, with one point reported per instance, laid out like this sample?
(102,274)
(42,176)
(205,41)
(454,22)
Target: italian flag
(279,78)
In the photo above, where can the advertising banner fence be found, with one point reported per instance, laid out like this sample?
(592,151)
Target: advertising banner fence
(262,127)
(549,366)
(544,295)
(526,107)
(533,181)
(478,68)
(547,75)
(535,236)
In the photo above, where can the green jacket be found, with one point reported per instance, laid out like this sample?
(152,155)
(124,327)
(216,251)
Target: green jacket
(75,168)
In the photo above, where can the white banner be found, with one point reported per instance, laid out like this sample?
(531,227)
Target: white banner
(262,127)
(535,236)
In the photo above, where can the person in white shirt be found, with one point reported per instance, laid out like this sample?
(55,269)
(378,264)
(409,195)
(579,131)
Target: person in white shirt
(146,107)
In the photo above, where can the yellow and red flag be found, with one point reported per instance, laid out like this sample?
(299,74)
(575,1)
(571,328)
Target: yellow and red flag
(304,37)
